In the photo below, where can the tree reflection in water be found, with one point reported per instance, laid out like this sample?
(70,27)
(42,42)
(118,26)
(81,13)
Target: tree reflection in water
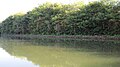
(6,60)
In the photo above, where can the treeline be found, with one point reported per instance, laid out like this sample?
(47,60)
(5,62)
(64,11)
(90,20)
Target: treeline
(96,18)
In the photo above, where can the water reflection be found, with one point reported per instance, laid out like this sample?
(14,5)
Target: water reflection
(6,60)
(65,53)
(95,46)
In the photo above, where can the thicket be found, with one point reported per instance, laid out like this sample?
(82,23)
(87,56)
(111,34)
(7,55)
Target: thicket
(96,18)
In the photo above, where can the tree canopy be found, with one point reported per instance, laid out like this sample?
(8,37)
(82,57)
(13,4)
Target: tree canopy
(96,18)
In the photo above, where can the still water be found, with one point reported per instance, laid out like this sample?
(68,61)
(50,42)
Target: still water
(59,53)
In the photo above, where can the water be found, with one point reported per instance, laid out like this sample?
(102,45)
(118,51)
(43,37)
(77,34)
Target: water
(59,53)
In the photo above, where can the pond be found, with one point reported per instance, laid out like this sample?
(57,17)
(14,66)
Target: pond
(59,53)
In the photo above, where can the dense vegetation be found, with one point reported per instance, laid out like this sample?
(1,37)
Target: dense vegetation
(96,18)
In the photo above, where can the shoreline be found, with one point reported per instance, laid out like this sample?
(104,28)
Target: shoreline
(73,37)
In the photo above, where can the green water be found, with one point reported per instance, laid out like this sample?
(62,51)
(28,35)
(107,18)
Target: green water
(59,53)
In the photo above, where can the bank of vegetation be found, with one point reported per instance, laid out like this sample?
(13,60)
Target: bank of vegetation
(95,18)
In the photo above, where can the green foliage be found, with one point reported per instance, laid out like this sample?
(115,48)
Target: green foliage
(96,18)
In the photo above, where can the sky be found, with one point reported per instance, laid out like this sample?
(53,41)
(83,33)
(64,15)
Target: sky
(10,7)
